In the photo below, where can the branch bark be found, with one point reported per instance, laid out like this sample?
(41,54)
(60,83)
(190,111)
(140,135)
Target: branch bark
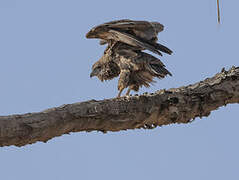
(177,105)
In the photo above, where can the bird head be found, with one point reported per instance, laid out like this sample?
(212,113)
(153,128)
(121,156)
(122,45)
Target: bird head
(96,69)
(105,70)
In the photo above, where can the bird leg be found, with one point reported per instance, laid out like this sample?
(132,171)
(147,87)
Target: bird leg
(123,80)
(120,91)
(128,91)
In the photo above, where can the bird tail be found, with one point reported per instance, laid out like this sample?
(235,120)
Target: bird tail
(160,70)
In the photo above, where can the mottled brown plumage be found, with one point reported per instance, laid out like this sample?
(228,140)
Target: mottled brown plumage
(139,34)
(123,56)
(135,68)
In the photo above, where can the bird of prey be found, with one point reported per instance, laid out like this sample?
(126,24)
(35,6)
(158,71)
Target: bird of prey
(135,68)
(123,56)
(139,34)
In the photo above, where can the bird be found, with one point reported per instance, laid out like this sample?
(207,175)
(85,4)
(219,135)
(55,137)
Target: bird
(139,34)
(134,68)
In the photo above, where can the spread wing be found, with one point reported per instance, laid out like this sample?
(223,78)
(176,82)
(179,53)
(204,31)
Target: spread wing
(133,41)
(142,29)
(141,34)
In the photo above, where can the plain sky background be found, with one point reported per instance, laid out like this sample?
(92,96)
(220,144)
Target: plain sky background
(45,61)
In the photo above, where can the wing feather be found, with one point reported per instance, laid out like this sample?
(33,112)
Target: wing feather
(133,41)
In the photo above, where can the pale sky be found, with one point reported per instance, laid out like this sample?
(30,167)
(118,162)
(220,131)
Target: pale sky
(45,61)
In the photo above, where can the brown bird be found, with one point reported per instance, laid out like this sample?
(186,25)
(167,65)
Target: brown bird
(139,34)
(135,68)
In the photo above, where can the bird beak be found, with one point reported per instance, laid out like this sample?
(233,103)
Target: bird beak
(94,73)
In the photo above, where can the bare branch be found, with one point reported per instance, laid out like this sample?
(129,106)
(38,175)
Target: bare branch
(179,105)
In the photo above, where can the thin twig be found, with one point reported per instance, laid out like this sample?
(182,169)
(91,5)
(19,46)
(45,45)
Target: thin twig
(218,12)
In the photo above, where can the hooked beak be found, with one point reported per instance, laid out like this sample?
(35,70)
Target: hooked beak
(94,72)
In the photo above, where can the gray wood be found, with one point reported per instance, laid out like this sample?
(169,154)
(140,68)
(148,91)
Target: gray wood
(178,105)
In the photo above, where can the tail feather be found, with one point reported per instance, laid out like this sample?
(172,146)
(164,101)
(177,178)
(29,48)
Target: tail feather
(160,70)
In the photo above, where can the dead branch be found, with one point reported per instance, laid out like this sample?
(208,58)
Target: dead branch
(178,105)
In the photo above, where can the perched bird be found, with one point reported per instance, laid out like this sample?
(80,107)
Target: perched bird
(139,34)
(135,68)
(123,56)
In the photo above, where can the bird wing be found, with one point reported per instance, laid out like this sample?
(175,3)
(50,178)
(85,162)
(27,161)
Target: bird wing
(142,67)
(147,62)
(142,29)
(127,24)
(133,41)
(154,65)
(162,48)
(127,53)
(141,34)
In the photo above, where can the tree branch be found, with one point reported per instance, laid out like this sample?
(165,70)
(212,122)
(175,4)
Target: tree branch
(178,105)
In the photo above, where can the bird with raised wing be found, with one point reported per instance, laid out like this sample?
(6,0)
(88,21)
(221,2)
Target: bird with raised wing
(139,34)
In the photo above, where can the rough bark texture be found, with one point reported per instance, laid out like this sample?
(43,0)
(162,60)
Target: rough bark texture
(179,105)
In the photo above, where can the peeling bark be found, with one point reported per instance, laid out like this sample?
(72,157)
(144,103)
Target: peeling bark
(177,105)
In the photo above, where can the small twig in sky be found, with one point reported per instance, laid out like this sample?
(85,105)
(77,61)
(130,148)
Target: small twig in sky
(218,12)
